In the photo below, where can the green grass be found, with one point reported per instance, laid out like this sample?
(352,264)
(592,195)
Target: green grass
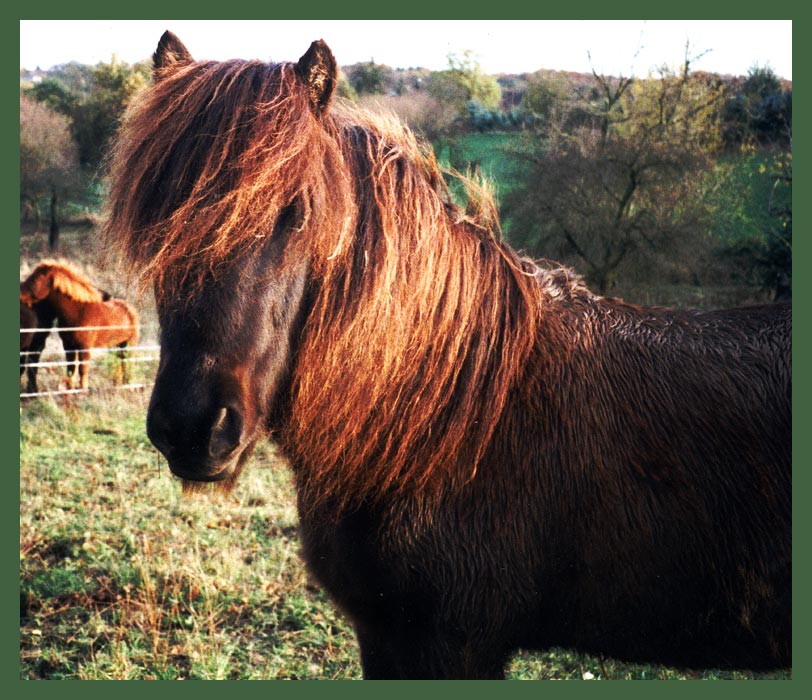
(122,577)
(496,156)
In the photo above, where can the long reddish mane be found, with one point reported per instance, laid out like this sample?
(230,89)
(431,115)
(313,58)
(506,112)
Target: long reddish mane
(422,327)
(422,320)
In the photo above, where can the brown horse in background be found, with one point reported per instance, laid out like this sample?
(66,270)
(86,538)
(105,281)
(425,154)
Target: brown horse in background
(88,316)
(487,455)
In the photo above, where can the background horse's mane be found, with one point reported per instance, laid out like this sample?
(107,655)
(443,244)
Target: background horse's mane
(421,312)
(67,279)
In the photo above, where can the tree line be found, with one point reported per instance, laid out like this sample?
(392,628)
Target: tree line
(683,172)
(682,175)
(67,117)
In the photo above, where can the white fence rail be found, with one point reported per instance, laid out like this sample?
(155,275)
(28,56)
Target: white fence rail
(67,392)
(54,357)
(57,329)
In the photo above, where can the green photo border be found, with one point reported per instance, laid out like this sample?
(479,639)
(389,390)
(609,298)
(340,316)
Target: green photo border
(417,9)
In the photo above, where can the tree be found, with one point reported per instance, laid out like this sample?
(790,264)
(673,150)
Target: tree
(48,160)
(610,187)
(95,119)
(344,88)
(56,95)
(777,257)
(545,90)
(760,112)
(93,99)
(464,83)
(369,78)
(751,203)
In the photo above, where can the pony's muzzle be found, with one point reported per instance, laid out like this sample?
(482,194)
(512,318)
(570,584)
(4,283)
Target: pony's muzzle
(197,447)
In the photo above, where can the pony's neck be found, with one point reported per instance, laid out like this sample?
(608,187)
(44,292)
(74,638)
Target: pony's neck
(66,308)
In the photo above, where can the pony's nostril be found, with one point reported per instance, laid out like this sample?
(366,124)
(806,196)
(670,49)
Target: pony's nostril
(158,433)
(226,432)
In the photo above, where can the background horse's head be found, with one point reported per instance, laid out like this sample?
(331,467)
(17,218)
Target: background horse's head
(37,286)
(227,166)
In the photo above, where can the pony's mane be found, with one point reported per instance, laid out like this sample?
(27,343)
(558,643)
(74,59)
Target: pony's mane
(67,280)
(420,315)
(420,310)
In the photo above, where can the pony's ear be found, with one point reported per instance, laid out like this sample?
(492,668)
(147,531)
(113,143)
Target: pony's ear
(170,53)
(317,68)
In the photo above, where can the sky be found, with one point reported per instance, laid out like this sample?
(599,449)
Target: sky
(611,47)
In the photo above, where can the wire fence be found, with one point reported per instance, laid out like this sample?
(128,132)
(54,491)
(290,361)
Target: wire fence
(59,329)
(140,359)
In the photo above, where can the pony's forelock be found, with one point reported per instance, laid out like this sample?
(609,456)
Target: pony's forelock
(205,162)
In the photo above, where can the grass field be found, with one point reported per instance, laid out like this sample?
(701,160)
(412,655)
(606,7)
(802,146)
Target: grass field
(498,156)
(122,577)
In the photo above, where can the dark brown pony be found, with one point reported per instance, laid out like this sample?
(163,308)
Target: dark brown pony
(88,316)
(487,456)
